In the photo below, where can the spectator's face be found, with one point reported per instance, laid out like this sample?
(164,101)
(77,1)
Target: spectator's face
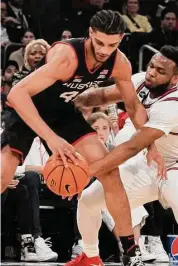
(132,6)
(103,45)
(66,35)
(102,128)
(9,72)
(169,21)
(28,37)
(160,72)
(3,11)
(17,3)
(98,3)
(36,53)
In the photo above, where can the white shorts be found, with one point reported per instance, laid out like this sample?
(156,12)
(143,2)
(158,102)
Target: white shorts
(142,185)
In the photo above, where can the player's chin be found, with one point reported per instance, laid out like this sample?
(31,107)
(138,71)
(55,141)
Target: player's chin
(101,59)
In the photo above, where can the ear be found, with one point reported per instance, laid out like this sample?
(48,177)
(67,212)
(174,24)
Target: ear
(90,31)
(122,36)
(175,80)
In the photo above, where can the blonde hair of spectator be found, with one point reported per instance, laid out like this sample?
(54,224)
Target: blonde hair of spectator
(96,116)
(42,42)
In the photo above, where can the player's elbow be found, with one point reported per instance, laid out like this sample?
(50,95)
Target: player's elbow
(133,148)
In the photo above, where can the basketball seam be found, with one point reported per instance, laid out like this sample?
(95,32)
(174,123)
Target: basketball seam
(61,179)
(74,179)
(83,170)
(51,172)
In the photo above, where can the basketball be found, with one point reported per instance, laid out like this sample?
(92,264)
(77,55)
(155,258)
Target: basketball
(66,181)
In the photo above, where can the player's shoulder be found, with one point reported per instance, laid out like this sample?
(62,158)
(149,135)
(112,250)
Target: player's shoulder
(122,64)
(63,51)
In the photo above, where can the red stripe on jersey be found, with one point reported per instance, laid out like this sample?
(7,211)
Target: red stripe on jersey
(172,168)
(171,99)
(140,87)
(173,133)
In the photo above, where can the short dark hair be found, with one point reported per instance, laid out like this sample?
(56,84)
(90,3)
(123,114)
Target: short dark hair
(109,22)
(10,63)
(170,52)
(166,11)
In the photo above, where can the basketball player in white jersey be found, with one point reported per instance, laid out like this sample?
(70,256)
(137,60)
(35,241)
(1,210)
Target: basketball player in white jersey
(159,94)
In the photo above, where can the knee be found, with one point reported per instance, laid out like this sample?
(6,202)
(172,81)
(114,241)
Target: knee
(32,179)
(111,181)
(92,197)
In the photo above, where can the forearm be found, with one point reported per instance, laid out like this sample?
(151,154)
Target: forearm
(24,168)
(95,97)
(35,168)
(113,159)
(138,115)
(27,111)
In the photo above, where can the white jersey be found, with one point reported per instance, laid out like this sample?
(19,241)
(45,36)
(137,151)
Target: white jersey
(163,115)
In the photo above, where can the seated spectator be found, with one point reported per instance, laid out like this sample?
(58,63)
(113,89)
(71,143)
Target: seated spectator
(134,21)
(66,34)
(7,76)
(167,33)
(16,22)
(34,52)
(16,195)
(4,34)
(31,171)
(18,55)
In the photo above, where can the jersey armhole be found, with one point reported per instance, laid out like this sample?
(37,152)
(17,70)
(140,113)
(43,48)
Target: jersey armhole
(76,57)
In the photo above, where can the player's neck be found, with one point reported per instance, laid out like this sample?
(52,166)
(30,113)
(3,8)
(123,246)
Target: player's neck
(159,90)
(90,58)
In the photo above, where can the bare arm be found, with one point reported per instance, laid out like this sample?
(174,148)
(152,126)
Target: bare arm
(142,139)
(35,168)
(122,76)
(58,59)
(95,97)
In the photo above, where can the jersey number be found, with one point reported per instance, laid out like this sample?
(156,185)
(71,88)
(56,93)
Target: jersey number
(68,96)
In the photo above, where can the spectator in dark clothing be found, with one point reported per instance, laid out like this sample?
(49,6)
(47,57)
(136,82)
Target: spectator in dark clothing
(16,197)
(167,33)
(16,22)
(7,75)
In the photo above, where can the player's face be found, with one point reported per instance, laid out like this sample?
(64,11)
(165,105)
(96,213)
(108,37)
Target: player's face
(102,128)
(36,53)
(160,71)
(103,45)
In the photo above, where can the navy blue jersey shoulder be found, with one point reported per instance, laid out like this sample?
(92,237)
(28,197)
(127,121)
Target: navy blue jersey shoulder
(58,97)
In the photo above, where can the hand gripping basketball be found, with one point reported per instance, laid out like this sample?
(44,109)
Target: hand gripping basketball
(60,147)
(68,181)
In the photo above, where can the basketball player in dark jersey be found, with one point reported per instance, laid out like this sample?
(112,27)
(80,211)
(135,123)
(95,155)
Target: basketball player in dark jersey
(42,104)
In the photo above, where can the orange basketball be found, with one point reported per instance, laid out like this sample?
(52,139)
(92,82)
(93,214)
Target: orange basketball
(66,181)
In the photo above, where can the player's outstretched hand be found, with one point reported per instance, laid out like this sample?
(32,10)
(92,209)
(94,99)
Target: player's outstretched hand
(60,147)
(154,155)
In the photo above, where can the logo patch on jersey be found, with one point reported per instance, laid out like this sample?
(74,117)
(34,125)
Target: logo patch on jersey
(104,72)
(142,94)
(77,80)
(101,77)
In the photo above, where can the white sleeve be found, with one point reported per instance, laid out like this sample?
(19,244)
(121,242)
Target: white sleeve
(137,79)
(163,116)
